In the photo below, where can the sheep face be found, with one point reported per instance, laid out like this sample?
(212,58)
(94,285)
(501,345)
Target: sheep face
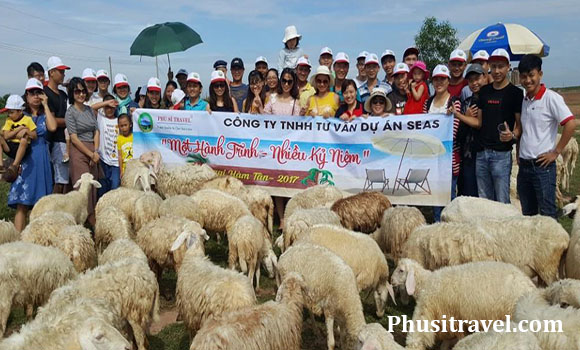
(88,178)
(96,334)
(381,295)
(190,237)
(152,159)
(270,262)
(293,284)
(404,275)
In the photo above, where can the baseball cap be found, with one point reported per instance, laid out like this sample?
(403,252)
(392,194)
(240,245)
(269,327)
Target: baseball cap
(120,80)
(441,71)
(89,74)
(177,96)
(181,71)
(480,55)
(371,58)
(13,102)
(220,63)
(386,53)
(326,50)
(56,63)
(237,63)
(32,84)
(458,55)
(193,76)
(474,68)
(217,75)
(401,68)
(499,54)
(154,84)
(101,73)
(261,59)
(341,57)
(411,50)
(303,61)
(362,54)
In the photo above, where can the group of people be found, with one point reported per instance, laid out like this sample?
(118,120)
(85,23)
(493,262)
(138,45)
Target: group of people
(54,136)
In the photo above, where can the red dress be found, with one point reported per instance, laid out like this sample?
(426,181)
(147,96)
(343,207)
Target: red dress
(416,107)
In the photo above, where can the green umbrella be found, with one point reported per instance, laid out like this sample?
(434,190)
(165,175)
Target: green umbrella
(164,38)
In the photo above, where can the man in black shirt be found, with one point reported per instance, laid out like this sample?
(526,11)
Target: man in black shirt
(58,106)
(398,96)
(500,105)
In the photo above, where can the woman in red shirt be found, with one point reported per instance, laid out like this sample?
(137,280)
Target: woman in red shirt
(351,108)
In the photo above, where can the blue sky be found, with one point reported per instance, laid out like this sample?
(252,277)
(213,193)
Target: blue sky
(85,33)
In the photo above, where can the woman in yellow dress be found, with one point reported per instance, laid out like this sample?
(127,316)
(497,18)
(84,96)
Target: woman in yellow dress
(324,102)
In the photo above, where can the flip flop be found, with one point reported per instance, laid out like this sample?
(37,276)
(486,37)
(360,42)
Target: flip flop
(11,174)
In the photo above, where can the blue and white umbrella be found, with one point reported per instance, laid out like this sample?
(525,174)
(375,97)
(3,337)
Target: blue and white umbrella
(516,39)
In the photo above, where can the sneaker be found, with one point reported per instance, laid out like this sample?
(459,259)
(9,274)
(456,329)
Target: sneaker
(11,174)
(65,159)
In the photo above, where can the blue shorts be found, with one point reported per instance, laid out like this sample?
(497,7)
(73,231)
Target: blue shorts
(61,175)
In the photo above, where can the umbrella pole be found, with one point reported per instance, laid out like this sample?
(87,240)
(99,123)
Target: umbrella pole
(156,67)
(169,61)
(400,162)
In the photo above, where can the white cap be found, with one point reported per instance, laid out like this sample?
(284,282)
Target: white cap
(33,83)
(217,75)
(458,55)
(56,63)
(13,102)
(326,50)
(177,96)
(441,70)
(388,52)
(193,76)
(362,54)
(500,53)
(401,68)
(341,57)
(290,33)
(154,84)
(480,55)
(371,58)
(101,73)
(89,74)
(261,59)
(303,61)
(120,80)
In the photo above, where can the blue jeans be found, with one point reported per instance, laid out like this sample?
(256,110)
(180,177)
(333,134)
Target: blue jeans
(493,169)
(111,179)
(537,188)
(437,210)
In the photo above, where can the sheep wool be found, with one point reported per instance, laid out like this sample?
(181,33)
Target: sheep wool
(302,220)
(146,209)
(312,197)
(76,242)
(45,229)
(122,198)
(564,292)
(121,249)
(361,212)
(396,227)
(465,208)
(184,179)
(217,211)
(573,254)
(111,224)
(499,341)
(375,337)
(8,232)
(138,176)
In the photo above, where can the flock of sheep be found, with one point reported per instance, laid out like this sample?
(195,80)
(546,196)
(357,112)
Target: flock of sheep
(100,291)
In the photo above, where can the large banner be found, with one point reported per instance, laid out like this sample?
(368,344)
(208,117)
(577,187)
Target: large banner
(408,157)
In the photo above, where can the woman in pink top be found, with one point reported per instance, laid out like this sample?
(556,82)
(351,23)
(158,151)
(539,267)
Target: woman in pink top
(286,101)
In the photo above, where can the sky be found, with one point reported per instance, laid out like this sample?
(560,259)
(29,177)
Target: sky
(86,33)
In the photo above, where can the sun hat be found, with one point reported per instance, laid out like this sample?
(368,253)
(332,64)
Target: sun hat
(474,68)
(388,52)
(181,71)
(101,73)
(499,54)
(89,75)
(342,57)
(56,63)
(154,84)
(303,61)
(371,58)
(362,54)
(458,55)
(410,50)
(290,33)
(237,63)
(261,59)
(193,76)
(325,50)
(401,68)
(217,75)
(32,84)
(120,80)
(324,71)
(13,102)
(420,65)
(177,96)
(441,71)
(480,55)
(381,93)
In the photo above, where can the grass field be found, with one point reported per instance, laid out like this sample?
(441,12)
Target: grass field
(171,334)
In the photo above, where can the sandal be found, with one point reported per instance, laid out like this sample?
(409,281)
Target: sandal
(11,174)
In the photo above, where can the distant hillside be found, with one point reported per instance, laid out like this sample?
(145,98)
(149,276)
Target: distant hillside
(567,88)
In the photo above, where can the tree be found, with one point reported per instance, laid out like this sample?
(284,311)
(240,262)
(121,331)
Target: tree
(436,40)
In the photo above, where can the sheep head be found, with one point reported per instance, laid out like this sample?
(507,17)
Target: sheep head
(381,295)
(568,209)
(292,285)
(373,336)
(85,181)
(405,274)
(191,237)
(97,334)
(152,159)
(270,262)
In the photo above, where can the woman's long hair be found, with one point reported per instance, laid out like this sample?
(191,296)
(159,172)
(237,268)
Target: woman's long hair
(228,104)
(253,78)
(294,92)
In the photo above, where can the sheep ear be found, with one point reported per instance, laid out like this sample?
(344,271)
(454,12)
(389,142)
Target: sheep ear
(183,236)
(410,282)
(205,235)
(95,183)
(77,184)
(152,173)
(144,184)
(391,292)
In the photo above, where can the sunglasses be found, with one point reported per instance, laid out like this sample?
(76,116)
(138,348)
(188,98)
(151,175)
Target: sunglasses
(287,81)
(80,91)
(220,86)
(35,92)
(378,101)
(322,82)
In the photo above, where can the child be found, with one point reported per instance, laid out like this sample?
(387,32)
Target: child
(418,90)
(124,140)
(108,152)
(17,132)
(289,55)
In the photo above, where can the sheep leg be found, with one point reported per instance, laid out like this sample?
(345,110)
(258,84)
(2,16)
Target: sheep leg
(5,305)
(29,311)
(140,338)
(257,276)
(251,273)
(329,330)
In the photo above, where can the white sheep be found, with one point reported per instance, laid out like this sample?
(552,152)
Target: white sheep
(301,221)
(83,324)
(465,208)
(204,289)
(499,341)
(396,227)
(330,290)
(248,245)
(564,292)
(362,254)
(274,325)
(45,229)
(573,254)
(75,202)
(146,209)
(129,286)
(312,197)
(535,244)
(122,198)
(138,176)
(184,179)
(374,337)
(569,158)
(474,291)
(111,224)
(158,241)
(28,274)
(8,232)
(361,212)
(121,249)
